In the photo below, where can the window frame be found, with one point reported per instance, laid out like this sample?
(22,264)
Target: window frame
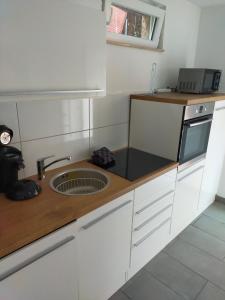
(143,8)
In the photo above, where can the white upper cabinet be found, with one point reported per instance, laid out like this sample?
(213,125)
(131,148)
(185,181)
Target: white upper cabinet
(51,46)
(215,157)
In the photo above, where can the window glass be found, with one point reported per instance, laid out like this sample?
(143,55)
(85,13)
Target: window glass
(131,23)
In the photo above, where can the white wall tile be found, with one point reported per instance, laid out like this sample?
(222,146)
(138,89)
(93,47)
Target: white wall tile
(49,118)
(110,110)
(113,137)
(8,117)
(74,144)
(62,128)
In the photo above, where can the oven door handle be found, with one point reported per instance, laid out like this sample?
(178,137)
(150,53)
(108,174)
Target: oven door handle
(199,123)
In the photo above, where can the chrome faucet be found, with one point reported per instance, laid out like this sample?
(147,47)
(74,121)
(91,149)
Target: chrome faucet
(41,164)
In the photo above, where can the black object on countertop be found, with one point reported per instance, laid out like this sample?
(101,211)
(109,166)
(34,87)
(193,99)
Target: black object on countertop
(103,158)
(132,164)
(11,161)
(23,190)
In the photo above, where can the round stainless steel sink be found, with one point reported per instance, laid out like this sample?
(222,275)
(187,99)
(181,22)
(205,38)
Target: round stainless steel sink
(79,182)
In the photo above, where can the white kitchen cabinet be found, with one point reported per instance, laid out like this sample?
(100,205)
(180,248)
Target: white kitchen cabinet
(221,190)
(44,270)
(155,127)
(52,45)
(153,206)
(214,159)
(104,238)
(187,196)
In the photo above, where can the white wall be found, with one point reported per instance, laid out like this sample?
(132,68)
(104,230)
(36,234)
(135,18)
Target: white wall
(129,70)
(77,127)
(210,52)
(211,42)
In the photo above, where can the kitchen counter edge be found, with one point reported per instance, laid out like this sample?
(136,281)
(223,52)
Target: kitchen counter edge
(24,222)
(180,98)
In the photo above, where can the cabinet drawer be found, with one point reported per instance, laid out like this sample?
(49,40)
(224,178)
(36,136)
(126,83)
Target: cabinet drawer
(150,246)
(153,209)
(98,215)
(151,224)
(151,191)
(36,271)
(36,250)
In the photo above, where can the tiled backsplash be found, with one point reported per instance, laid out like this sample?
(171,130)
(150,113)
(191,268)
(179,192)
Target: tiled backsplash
(67,127)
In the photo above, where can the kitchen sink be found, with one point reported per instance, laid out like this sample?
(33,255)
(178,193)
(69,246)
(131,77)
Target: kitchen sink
(79,182)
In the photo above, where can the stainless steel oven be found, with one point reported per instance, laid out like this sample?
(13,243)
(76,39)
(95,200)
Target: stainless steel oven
(195,132)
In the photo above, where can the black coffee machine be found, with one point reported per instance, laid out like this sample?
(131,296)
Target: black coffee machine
(11,160)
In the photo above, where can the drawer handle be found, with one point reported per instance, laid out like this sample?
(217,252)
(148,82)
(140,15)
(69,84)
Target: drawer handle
(152,218)
(189,174)
(151,233)
(152,203)
(34,258)
(92,223)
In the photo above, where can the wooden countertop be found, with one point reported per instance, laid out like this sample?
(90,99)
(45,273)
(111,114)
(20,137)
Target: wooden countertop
(23,222)
(180,98)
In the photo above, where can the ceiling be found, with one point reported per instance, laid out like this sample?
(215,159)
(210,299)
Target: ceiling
(204,3)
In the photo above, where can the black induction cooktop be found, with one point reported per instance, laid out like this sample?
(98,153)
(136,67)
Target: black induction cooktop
(132,164)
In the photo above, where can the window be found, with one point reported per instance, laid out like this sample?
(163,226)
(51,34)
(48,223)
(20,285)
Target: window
(129,22)
(134,22)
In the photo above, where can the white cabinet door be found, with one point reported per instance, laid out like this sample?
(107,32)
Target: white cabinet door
(186,197)
(45,270)
(214,158)
(52,45)
(104,238)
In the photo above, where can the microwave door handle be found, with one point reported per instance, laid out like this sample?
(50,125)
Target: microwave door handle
(199,123)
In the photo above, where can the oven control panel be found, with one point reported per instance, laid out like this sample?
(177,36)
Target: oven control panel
(201,109)
(198,110)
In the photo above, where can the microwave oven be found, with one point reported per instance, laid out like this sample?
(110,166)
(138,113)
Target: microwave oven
(198,81)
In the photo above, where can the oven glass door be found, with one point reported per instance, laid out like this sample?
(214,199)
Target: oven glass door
(195,137)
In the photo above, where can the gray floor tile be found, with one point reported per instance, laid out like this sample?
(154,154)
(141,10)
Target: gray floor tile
(207,266)
(176,276)
(211,226)
(133,279)
(171,243)
(216,211)
(220,200)
(119,296)
(204,241)
(146,287)
(211,292)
